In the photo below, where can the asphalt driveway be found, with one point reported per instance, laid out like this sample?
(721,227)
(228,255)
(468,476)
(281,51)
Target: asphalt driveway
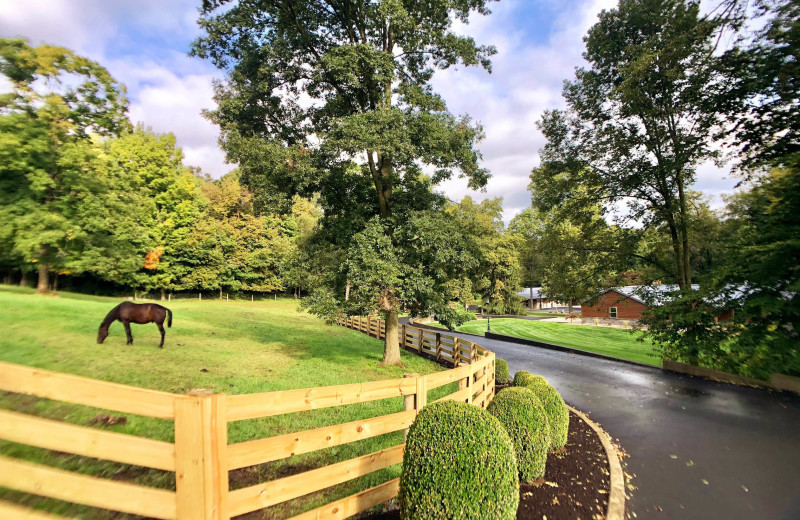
(698,449)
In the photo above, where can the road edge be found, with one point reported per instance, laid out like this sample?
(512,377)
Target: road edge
(616,493)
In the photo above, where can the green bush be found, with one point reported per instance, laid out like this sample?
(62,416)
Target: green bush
(521,377)
(525,421)
(554,406)
(459,463)
(501,371)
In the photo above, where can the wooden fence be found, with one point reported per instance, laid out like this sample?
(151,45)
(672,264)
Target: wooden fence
(201,456)
(446,349)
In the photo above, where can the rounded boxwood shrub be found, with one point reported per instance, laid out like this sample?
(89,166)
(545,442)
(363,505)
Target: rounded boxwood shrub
(525,421)
(459,463)
(501,371)
(521,377)
(554,406)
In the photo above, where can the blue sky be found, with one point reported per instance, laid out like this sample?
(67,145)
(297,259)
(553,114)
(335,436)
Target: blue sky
(144,45)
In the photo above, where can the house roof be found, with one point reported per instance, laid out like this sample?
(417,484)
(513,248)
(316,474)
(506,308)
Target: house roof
(643,293)
(537,293)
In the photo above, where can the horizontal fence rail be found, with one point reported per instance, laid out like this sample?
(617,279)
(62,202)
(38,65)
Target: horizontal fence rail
(201,456)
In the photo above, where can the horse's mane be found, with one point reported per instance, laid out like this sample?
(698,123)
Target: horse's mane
(111,316)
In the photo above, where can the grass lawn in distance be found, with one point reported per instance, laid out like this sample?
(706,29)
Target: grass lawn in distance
(235,347)
(602,340)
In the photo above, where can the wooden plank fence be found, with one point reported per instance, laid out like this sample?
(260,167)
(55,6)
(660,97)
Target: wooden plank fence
(201,456)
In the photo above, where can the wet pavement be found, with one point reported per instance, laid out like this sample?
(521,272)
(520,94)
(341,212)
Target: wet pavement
(698,449)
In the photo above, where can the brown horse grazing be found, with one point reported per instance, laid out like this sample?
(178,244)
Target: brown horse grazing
(141,313)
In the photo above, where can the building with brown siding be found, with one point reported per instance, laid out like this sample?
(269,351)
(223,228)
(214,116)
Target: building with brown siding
(614,304)
(619,304)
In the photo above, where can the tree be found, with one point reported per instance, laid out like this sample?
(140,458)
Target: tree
(155,164)
(581,252)
(529,228)
(315,88)
(57,102)
(495,277)
(765,100)
(640,118)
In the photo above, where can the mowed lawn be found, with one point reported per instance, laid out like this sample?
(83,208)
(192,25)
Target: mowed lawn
(229,347)
(603,340)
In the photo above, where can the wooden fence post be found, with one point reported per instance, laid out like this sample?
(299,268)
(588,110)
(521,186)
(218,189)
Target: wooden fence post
(456,355)
(420,333)
(438,346)
(403,333)
(201,442)
(422,393)
(409,403)
(469,384)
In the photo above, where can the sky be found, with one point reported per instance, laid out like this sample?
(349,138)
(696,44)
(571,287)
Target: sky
(144,45)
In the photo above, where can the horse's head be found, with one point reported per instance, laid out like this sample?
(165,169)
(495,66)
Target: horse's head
(102,334)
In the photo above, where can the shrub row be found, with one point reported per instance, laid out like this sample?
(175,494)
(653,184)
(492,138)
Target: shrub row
(525,421)
(462,461)
(554,406)
(501,371)
(459,463)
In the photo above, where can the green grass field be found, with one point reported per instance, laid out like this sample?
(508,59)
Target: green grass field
(230,347)
(603,340)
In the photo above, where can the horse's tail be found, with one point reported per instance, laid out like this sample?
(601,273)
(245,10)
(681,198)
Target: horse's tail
(169,321)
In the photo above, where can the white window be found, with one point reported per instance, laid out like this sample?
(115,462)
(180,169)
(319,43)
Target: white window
(613,312)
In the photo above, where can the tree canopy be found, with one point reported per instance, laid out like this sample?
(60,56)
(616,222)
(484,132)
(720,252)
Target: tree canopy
(334,98)
(640,118)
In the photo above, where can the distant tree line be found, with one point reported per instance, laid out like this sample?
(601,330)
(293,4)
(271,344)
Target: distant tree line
(87,200)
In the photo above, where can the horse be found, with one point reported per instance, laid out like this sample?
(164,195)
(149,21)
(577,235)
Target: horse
(141,313)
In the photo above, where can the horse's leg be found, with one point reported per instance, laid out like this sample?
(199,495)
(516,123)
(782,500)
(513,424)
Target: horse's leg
(161,328)
(128,332)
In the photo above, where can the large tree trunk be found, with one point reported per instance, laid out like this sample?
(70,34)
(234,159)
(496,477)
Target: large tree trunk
(44,272)
(23,281)
(347,291)
(676,250)
(530,302)
(684,229)
(391,349)
(162,294)
(44,275)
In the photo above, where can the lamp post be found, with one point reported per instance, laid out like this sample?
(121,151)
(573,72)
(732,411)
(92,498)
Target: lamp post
(488,317)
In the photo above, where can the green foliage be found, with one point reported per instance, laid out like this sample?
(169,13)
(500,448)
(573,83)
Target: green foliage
(767,93)
(580,251)
(554,406)
(755,292)
(54,179)
(154,164)
(452,318)
(501,371)
(642,115)
(495,277)
(522,377)
(525,421)
(459,463)
(373,126)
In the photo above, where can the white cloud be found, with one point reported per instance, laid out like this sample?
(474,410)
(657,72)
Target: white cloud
(167,89)
(526,79)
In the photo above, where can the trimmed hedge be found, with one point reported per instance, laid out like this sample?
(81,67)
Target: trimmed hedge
(554,406)
(525,421)
(501,371)
(459,463)
(521,377)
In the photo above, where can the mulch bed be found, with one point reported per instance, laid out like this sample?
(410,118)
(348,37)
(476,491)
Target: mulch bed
(576,483)
(575,486)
